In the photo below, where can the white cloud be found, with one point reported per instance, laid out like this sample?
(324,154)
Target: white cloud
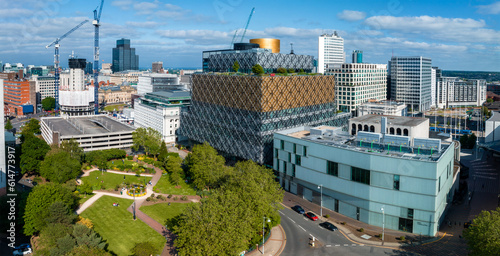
(351,15)
(144,24)
(15,12)
(173,7)
(122,4)
(437,28)
(493,8)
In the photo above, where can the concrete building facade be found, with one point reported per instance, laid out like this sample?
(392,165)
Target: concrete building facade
(384,107)
(116,94)
(158,82)
(330,52)
(452,91)
(414,184)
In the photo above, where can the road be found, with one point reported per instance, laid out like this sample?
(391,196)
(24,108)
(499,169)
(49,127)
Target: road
(299,230)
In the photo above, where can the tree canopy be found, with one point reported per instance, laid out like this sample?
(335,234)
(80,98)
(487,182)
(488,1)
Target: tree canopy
(281,70)
(49,103)
(483,236)
(206,167)
(148,139)
(33,151)
(31,127)
(8,125)
(60,167)
(258,69)
(236,66)
(144,249)
(39,201)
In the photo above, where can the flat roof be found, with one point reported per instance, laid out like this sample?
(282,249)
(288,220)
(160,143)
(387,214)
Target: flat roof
(335,137)
(81,125)
(495,116)
(394,120)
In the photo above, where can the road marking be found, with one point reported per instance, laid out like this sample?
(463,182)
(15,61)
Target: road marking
(361,245)
(337,245)
(301,228)
(290,219)
(353,244)
(346,245)
(328,245)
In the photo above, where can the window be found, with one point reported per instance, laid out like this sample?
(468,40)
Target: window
(332,168)
(439,184)
(360,175)
(276,153)
(284,167)
(396,182)
(410,213)
(278,165)
(290,157)
(293,170)
(336,205)
(298,160)
(305,151)
(295,148)
(282,145)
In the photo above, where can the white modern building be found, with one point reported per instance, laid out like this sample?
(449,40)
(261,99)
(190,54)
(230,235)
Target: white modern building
(411,80)
(75,98)
(406,184)
(411,127)
(44,86)
(492,128)
(383,107)
(158,82)
(452,91)
(93,132)
(161,111)
(330,51)
(356,83)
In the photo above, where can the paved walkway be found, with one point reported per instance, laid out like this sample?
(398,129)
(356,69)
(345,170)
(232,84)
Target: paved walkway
(274,244)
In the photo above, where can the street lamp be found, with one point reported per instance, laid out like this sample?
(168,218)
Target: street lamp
(133,192)
(321,199)
(383,223)
(263,223)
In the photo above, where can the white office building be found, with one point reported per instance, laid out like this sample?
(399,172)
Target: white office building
(492,128)
(375,178)
(154,82)
(161,111)
(411,80)
(356,83)
(384,107)
(330,51)
(452,91)
(44,86)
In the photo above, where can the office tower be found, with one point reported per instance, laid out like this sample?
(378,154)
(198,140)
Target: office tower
(157,67)
(330,51)
(411,79)
(89,68)
(158,82)
(357,83)
(124,57)
(44,87)
(452,91)
(19,94)
(76,99)
(357,56)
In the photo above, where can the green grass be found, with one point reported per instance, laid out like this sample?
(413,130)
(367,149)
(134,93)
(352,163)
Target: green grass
(164,186)
(84,198)
(112,179)
(116,107)
(163,212)
(117,227)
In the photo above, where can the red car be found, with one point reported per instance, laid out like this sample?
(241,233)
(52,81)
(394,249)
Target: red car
(311,216)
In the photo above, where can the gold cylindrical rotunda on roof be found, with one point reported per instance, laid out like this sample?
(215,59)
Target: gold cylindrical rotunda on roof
(267,43)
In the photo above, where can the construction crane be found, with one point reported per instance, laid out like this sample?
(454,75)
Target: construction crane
(245,31)
(95,22)
(56,60)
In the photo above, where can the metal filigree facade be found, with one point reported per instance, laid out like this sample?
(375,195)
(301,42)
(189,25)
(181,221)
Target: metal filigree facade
(239,114)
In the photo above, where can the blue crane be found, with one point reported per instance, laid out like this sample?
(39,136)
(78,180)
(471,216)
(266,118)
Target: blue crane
(95,22)
(245,31)
(56,61)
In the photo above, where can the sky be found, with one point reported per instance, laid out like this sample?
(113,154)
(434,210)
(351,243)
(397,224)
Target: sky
(457,35)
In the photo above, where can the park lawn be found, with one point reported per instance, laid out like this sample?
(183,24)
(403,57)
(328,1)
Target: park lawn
(116,107)
(163,212)
(112,179)
(117,227)
(164,186)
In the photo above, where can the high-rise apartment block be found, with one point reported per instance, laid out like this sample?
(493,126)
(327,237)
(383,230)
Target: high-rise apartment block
(330,52)
(411,80)
(452,91)
(357,83)
(124,57)
(75,98)
(45,87)
(357,56)
(238,114)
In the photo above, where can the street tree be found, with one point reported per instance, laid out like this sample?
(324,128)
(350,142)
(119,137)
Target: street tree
(148,139)
(60,167)
(33,151)
(31,127)
(49,103)
(39,201)
(236,66)
(206,166)
(483,235)
(8,125)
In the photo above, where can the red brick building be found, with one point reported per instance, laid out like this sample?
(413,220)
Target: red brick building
(17,92)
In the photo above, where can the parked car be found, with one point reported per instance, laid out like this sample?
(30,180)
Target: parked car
(329,226)
(22,246)
(298,209)
(311,216)
(24,251)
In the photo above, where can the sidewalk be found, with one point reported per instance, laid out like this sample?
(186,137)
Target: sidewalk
(274,245)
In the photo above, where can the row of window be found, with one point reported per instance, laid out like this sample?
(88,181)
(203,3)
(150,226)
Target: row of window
(357,174)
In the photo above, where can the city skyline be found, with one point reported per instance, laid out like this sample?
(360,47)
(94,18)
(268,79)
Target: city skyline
(458,36)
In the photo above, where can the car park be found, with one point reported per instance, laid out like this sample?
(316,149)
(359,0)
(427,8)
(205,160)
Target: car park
(311,216)
(298,209)
(329,226)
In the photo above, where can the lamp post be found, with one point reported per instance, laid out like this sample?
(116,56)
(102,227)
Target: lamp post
(263,223)
(383,223)
(321,199)
(133,192)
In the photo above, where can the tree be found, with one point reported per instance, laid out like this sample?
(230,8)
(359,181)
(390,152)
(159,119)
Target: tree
(147,138)
(163,155)
(206,167)
(59,213)
(85,250)
(73,148)
(144,249)
(63,246)
(49,237)
(486,112)
(236,66)
(87,237)
(281,70)
(85,188)
(39,201)
(31,127)
(49,103)
(291,70)
(489,100)
(174,167)
(8,125)
(60,167)
(33,151)
(483,236)
(257,69)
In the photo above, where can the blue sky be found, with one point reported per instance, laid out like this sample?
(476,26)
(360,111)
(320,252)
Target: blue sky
(457,35)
